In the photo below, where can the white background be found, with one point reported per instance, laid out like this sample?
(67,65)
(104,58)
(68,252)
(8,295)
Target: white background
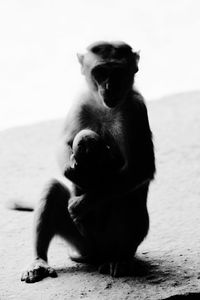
(39,73)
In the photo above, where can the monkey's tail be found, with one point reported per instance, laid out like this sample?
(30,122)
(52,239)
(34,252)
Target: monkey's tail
(19,205)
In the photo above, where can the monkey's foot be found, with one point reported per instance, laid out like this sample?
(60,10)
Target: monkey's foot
(117,269)
(38,270)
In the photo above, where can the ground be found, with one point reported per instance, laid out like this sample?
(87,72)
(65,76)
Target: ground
(168,261)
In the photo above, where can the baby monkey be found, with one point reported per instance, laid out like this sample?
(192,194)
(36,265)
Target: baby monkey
(107,153)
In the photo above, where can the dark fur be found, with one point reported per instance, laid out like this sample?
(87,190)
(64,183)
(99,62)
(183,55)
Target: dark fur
(107,217)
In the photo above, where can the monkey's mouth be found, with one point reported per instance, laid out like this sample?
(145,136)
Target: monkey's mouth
(109,99)
(110,102)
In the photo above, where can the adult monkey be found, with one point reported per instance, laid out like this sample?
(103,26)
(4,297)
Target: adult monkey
(108,155)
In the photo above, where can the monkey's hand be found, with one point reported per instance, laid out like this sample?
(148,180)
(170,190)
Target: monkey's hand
(78,206)
(81,209)
(78,173)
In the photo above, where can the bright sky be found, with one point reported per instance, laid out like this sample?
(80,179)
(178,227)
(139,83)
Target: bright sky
(39,39)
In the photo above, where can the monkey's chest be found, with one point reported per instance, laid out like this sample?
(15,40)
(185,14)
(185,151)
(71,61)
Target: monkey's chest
(113,131)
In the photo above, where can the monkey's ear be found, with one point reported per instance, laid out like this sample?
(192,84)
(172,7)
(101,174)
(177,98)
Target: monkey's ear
(136,58)
(80,58)
(137,55)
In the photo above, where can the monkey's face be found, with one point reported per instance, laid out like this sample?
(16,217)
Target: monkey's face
(109,69)
(112,81)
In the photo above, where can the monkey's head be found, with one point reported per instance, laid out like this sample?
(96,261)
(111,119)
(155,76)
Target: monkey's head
(109,69)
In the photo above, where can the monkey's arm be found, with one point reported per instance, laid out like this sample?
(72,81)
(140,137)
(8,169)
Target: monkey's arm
(71,127)
(140,167)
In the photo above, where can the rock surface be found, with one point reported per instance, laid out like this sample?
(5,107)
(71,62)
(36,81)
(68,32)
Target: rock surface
(168,260)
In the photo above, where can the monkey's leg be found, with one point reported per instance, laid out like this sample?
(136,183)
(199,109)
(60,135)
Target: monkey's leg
(52,217)
(134,219)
